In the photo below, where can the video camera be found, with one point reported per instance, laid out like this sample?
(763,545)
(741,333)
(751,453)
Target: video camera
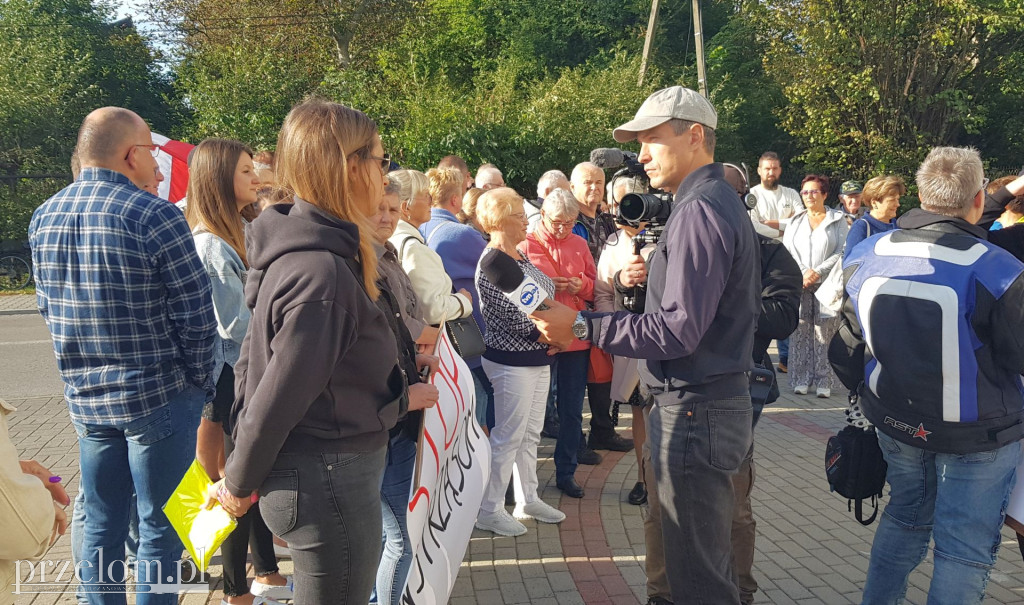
(652,207)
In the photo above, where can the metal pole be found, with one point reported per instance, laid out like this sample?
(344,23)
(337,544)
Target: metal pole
(702,83)
(648,41)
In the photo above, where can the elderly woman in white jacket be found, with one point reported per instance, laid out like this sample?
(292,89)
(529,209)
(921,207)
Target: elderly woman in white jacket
(815,237)
(431,284)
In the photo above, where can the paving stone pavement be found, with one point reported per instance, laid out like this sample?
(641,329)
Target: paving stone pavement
(809,547)
(18,304)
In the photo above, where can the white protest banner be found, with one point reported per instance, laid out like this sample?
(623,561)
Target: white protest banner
(452,468)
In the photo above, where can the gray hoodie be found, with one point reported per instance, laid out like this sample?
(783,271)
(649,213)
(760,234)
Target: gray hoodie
(318,368)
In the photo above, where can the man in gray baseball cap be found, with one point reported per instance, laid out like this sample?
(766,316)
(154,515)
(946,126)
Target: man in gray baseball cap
(703,301)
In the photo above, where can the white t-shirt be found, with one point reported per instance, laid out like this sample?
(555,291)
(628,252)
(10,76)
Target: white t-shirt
(782,203)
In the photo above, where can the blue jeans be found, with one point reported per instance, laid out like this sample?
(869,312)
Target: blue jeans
(698,444)
(958,498)
(131,545)
(152,454)
(571,381)
(396,558)
(484,398)
(783,351)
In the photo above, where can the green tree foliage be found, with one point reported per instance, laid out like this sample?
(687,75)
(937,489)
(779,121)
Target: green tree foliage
(746,97)
(60,59)
(870,85)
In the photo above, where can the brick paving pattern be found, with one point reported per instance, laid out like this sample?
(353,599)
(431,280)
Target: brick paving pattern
(809,547)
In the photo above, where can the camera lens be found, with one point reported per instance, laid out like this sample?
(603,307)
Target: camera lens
(641,207)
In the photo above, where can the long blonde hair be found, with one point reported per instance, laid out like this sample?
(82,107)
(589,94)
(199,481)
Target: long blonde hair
(211,191)
(313,150)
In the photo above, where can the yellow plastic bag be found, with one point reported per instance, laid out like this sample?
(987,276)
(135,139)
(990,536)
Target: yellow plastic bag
(201,531)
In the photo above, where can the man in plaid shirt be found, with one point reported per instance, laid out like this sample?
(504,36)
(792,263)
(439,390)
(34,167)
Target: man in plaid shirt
(128,305)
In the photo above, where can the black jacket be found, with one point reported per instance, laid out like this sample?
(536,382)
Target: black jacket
(781,286)
(318,370)
(934,326)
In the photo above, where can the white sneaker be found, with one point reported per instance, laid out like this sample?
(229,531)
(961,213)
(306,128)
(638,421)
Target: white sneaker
(824,393)
(274,593)
(800,389)
(256,601)
(539,510)
(501,523)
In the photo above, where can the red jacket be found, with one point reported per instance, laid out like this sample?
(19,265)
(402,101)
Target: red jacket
(569,257)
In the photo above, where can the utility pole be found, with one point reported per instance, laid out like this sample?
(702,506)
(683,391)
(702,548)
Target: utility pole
(702,82)
(648,41)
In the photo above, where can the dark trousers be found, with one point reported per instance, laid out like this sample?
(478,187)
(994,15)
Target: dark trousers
(599,394)
(699,444)
(327,507)
(571,378)
(251,532)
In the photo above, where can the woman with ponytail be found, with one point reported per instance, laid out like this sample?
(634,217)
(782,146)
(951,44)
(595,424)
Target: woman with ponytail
(318,385)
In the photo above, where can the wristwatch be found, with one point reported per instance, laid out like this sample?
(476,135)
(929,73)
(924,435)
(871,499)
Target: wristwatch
(579,327)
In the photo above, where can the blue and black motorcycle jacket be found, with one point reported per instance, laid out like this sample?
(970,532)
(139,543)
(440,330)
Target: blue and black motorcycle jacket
(940,313)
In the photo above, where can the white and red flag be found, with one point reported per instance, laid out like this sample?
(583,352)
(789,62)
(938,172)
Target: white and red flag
(173,161)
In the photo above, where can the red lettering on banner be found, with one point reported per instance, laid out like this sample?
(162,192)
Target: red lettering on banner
(422,491)
(449,372)
(451,369)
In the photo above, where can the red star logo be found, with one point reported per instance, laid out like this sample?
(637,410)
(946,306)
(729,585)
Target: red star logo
(921,433)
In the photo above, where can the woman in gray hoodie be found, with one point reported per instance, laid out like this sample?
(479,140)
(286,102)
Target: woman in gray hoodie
(318,385)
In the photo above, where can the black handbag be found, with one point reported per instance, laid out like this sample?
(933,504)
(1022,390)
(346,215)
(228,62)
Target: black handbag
(466,337)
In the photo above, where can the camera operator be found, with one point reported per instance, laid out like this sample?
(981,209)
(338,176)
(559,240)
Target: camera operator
(696,336)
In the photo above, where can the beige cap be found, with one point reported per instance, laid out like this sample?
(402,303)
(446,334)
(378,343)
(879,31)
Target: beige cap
(664,105)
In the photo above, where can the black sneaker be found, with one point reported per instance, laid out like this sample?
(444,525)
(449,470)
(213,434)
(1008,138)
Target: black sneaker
(550,430)
(637,495)
(587,456)
(658,601)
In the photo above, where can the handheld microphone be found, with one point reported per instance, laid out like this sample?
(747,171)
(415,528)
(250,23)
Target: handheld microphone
(503,271)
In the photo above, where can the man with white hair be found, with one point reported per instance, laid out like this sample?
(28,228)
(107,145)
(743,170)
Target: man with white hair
(489,177)
(593,225)
(945,399)
(596,226)
(548,182)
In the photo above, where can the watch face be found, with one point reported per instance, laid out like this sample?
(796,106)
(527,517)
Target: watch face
(579,329)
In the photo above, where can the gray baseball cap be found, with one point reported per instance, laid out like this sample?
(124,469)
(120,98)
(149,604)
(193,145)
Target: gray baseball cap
(662,106)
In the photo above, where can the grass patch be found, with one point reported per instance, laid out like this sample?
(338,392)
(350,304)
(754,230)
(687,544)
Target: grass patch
(28,290)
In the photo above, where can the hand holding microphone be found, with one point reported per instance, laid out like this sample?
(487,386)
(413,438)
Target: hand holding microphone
(525,293)
(552,318)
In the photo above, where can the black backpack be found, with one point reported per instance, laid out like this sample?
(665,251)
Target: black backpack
(855,468)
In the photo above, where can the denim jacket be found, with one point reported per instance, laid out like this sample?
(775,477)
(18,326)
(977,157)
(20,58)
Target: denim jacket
(227,274)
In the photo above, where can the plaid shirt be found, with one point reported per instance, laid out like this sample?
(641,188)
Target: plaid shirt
(124,295)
